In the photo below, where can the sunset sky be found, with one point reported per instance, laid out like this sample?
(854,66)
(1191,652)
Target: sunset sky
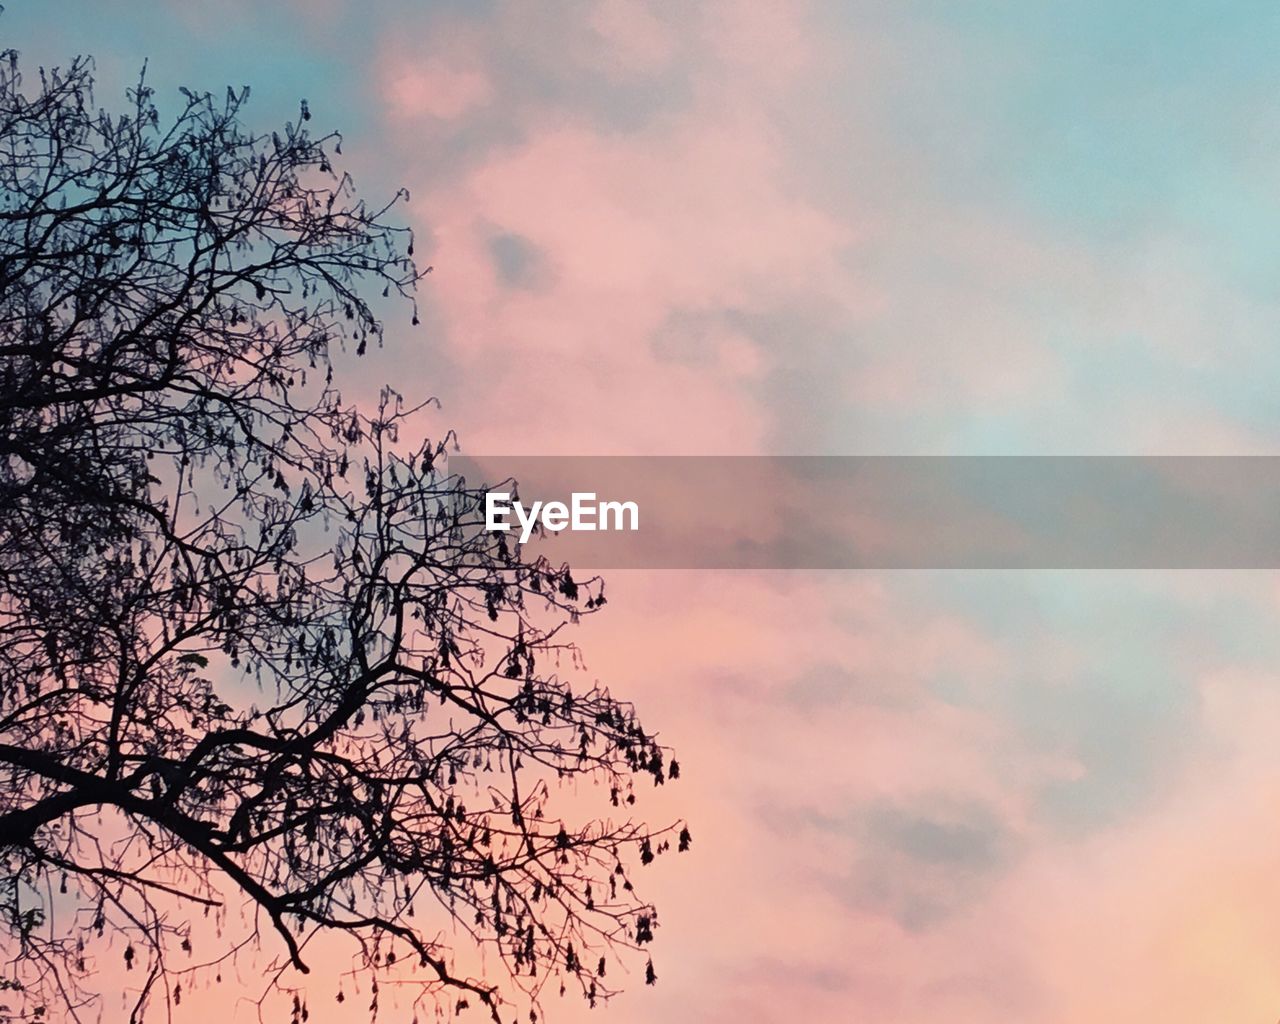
(853,228)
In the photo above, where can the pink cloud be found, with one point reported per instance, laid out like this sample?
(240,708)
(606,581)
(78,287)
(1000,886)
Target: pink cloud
(634,37)
(633,230)
(434,89)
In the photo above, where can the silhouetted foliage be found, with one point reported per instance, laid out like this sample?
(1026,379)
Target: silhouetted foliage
(251,652)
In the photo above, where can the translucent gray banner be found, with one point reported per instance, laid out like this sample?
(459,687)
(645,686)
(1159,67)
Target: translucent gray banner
(868,512)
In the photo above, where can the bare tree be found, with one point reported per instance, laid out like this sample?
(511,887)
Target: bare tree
(253,651)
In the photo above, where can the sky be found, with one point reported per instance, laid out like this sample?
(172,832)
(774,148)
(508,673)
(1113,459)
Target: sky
(898,228)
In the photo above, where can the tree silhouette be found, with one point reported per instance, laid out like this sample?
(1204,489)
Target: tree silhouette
(253,652)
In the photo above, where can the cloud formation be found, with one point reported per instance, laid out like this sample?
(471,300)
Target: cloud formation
(725,228)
